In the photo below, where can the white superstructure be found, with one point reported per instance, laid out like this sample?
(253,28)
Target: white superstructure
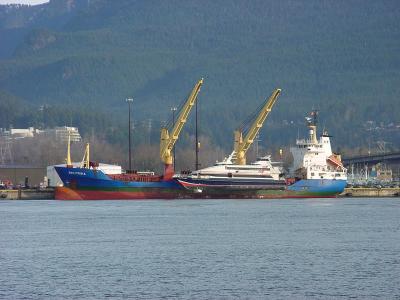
(313,158)
(262,168)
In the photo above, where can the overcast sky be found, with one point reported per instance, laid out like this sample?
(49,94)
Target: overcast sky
(32,2)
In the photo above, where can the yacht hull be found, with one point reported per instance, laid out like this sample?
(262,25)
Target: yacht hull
(306,188)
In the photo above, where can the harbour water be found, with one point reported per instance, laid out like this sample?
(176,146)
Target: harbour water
(200,249)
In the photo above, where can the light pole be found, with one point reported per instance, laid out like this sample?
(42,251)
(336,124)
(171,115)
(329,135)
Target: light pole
(173,109)
(129,101)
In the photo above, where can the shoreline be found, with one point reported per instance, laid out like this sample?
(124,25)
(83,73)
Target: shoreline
(48,194)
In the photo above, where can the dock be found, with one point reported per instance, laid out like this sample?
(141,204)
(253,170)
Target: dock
(370,192)
(48,193)
(27,194)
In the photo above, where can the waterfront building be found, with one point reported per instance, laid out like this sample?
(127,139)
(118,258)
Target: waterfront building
(62,133)
(59,133)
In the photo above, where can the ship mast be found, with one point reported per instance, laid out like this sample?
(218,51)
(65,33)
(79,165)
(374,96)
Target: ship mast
(68,159)
(312,125)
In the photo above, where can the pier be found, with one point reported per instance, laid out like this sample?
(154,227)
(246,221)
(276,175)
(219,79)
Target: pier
(27,194)
(370,192)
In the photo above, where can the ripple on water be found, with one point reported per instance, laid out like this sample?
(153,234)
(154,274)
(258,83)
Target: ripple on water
(311,248)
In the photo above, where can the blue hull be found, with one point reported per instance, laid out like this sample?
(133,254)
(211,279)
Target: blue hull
(88,178)
(319,186)
(89,184)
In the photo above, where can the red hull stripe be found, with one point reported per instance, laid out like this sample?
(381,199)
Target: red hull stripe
(184,183)
(63,193)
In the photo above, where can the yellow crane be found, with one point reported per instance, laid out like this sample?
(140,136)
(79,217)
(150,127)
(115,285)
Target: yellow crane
(242,145)
(168,139)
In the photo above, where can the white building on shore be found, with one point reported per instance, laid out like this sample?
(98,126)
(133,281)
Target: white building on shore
(59,133)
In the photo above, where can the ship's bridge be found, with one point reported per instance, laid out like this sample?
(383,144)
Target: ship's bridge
(304,143)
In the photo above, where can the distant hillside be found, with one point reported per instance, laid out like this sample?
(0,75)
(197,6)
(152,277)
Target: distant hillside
(342,57)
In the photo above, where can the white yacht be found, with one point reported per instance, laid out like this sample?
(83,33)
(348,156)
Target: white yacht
(261,174)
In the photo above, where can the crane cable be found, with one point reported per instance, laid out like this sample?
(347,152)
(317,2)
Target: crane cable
(169,124)
(245,125)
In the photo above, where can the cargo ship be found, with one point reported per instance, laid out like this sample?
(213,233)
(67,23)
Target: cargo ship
(82,183)
(316,172)
(88,182)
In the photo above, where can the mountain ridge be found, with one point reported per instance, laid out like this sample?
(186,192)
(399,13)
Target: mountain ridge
(341,57)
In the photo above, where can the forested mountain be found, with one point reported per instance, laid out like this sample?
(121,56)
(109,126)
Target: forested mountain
(341,57)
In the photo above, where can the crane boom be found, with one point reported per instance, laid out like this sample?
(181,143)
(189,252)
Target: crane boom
(168,140)
(242,145)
